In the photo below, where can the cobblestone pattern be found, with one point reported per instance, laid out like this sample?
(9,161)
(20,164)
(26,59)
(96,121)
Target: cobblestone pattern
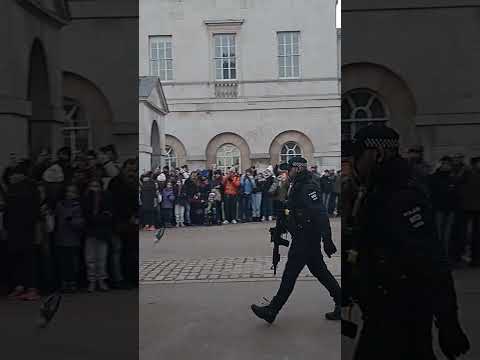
(224,269)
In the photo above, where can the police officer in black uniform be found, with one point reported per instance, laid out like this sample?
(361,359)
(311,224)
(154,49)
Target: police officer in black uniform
(308,223)
(405,284)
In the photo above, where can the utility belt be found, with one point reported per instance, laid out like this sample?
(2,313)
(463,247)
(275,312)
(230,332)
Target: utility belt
(388,275)
(298,218)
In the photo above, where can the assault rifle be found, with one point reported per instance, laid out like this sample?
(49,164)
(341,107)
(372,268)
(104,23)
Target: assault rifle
(277,240)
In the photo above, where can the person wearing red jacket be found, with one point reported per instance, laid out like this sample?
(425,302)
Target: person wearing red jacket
(231,184)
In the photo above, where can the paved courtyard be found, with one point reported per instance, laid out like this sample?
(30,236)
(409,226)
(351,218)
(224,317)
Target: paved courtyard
(196,288)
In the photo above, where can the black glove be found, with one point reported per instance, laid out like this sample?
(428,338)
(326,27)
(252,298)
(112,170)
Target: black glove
(329,248)
(452,339)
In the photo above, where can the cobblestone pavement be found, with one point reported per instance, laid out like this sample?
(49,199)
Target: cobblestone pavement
(221,269)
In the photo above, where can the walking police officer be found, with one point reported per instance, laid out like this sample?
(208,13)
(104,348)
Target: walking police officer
(308,223)
(404,278)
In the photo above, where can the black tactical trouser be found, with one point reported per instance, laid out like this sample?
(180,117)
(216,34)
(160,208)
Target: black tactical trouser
(303,252)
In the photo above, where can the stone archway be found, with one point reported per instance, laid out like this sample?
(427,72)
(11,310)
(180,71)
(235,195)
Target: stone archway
(228,138)
(178,149)
(392,89)
(156,158)
(97,116)
(291,136)
(41,130)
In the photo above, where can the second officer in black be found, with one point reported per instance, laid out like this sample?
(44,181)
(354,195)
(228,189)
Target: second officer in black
(308,223)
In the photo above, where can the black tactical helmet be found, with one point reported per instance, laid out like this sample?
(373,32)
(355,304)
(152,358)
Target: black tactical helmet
(296,161)
(374,137)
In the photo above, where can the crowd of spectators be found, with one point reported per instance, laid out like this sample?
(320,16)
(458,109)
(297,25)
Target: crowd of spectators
(68,222)
(178,197)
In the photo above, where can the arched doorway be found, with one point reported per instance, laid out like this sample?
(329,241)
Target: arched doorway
(155,144)
(289,150)
(175,153)
(291,143)
(228,156)
(40,129)
(370,82)
(231,149)
(87,114)
(361,107)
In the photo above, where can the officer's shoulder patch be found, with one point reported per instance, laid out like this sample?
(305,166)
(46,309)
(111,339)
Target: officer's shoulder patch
(314,195)
(414,216)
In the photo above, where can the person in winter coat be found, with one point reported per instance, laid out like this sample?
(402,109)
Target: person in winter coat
(20,219)
(231,184)
(444,197)
(168,201)
(217,188)
(97,210)
(267,200)
(180,201)
(149,200)
(191,188)
(69,229)
(248,185)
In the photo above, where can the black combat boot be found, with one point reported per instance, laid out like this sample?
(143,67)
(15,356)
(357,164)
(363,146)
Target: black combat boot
(265,312)
(335,315)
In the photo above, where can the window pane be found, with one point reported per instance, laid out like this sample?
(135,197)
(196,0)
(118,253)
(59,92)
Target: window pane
(288,50)
(233,74)
(281,50)
(288,72)
(282,61)
(288,61)
(218,51)
(154,68)
(295,37)
(232,64)
(161,46)
(162,64)
(218,64)
(281,72)
(169,53)
(218,74)
(295,48)
(232,50)
(296,66)
(225,73)
(225,64)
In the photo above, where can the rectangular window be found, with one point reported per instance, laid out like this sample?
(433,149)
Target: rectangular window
(161,57)
(225,57)
(288,54)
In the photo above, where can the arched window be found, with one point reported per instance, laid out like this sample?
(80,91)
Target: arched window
(228,156)
(76,129)
(170,157)
(360,108)
(289,150)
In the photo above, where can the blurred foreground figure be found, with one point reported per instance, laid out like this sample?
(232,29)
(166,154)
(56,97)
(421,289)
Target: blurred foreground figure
(404,280)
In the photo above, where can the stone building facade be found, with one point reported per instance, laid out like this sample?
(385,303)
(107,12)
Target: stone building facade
(413,64)
(244,88)
(64,78)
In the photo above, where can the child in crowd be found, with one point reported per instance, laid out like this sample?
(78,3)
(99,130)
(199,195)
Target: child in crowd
(168,201)
(180,202)
(98,229)
(70,225)
(211,210)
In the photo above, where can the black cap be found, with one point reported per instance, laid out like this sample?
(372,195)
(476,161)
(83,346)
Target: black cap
(374,137)
(296,161)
